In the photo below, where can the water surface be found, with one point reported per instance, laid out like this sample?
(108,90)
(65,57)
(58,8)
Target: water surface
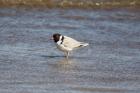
(31,63)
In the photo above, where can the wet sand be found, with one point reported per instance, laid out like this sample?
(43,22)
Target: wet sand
(31,63)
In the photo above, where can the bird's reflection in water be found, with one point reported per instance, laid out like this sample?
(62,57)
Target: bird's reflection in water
(63,65)
(65,61)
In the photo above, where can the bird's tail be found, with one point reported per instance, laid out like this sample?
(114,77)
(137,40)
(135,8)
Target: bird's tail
(83,44)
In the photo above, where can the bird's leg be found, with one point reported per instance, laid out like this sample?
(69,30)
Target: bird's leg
(67,56)
(65,53)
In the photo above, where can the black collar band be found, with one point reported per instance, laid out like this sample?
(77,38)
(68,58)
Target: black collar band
(62,39)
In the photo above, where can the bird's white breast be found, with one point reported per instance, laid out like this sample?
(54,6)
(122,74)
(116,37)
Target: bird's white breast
(62,47)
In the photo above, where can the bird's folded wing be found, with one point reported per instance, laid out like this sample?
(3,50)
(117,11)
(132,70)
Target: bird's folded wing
(71,43)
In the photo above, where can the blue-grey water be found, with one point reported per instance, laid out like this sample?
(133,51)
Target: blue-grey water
(31,63)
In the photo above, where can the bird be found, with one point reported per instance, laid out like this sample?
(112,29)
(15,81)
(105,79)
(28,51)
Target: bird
(67,44)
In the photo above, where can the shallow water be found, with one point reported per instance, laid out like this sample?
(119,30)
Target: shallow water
(30,62)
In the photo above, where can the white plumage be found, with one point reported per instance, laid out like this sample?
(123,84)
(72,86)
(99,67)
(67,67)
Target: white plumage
(67,44)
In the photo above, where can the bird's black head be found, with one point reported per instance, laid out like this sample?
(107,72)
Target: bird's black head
(56,37)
